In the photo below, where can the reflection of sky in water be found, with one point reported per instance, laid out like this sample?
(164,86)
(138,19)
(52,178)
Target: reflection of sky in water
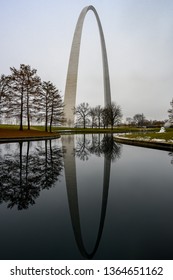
(142,201)
(138,222)
(90,197)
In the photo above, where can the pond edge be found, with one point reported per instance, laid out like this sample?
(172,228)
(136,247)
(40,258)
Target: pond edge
(145,143)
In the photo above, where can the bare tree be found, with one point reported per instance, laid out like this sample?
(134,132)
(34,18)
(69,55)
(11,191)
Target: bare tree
(170,111)
(17,93)
(113,114)
(49,105)
(23,85)
(32,84)
(42,103)
(104,118)
(56,108)
(139,119)
(82,111)
(93,117)
(4,88)
(22,95)
(99,110)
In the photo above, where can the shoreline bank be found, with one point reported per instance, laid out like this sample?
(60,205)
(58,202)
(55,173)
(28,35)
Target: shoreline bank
(159,144)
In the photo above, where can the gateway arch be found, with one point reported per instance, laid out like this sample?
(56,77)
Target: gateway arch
(71,81)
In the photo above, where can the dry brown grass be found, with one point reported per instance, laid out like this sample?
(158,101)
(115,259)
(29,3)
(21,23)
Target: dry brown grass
(14,133)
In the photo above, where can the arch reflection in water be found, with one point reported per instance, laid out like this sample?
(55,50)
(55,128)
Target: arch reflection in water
(83,149)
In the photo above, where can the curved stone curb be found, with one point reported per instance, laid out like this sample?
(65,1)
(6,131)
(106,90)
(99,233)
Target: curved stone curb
(146,144)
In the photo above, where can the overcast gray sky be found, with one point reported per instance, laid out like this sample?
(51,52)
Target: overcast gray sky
(139,41)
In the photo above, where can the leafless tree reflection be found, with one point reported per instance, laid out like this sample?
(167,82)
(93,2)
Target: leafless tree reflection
(95,144)
(25,170)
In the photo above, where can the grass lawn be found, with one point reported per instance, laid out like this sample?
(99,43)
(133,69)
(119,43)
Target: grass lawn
(165,136)
(9,131)
(12,131)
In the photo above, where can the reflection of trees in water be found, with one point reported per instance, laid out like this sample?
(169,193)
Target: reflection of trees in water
(82,147)
(171,155)
(110,148)
(98,146)
(25,171)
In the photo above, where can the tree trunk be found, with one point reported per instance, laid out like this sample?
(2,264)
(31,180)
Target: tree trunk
(21,111)
(28,116)
(46,117)
(51,118)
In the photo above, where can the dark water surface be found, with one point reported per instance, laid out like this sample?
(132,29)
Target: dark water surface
(85,197)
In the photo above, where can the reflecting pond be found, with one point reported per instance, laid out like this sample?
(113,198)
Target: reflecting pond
(85,197)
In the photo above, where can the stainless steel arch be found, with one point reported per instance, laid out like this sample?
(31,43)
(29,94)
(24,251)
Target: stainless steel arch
(71,81)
